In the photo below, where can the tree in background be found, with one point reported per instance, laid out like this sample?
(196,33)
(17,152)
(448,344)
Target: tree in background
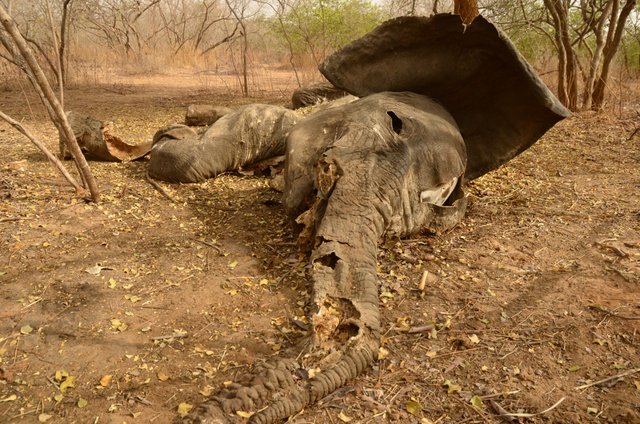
(318,27)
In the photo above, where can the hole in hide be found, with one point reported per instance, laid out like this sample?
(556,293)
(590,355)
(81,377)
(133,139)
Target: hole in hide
(396,123)
(346,331)
(330,260)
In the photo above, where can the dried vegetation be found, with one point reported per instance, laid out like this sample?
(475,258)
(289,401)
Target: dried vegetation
(136,308)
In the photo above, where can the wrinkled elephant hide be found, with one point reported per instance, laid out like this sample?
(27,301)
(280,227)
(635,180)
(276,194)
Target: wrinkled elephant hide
(475,72)
(387,163)
(440,105)
(96,141)
(316,93)
(239,139)
(203,115)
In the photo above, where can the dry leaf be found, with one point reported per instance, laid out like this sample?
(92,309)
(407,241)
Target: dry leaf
(382,353)
(344,417)
(132,298)
(413,407)
(206,390)
(183,409)
(451,388)
(474,339)
(244,414)
(116,324)
(43,418)
(233,264)
(70,381)
(476,401)
(9,398)
(106,380)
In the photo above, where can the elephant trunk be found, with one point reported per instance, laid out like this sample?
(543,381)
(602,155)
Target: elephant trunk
(346,322)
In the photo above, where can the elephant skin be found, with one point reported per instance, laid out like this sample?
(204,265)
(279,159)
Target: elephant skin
(98,143)
(316,93)
(241,138)
(475,72)
(203,115)
(392,163)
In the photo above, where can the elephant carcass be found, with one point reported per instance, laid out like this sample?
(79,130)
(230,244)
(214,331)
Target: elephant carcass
(391,163)
(202,115)
(97,142)
(241,138)
(315,93)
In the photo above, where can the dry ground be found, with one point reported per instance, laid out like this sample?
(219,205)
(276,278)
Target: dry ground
(146,304)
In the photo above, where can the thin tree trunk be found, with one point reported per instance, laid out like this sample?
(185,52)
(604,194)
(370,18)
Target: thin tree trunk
(62,49)
(56,44)
(52,158)
(616,28)
(597,55)
(58,116)
(567,67)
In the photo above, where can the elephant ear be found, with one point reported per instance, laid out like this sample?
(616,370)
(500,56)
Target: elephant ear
(475,72)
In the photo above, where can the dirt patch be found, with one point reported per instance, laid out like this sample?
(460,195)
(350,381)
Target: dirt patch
(533,295)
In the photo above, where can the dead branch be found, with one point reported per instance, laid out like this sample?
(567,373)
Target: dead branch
(52,158)
(606,380)
(58,116)
(158,187)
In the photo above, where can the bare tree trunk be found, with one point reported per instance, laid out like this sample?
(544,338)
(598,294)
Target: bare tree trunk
(616,28)
(597,55)
(567,76)
(57,114)
(52,158)
(62,49)
(467,9)
(56,44)
(243,49)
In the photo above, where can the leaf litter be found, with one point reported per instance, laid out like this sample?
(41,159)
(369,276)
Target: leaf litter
(500,307)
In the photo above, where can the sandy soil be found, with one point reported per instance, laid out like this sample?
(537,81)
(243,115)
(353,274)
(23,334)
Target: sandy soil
(121,311)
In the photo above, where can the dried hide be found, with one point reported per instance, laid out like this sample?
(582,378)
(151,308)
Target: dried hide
(239,139)
(97,142)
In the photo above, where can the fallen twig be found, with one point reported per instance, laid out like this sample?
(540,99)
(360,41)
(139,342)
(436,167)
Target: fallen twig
(43,148)
(502,413)
(170,336)
(159,187)
(525,415)
(495,395)
(421,328)
(613,314)
(605,380)
(14,218)
(211,245)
